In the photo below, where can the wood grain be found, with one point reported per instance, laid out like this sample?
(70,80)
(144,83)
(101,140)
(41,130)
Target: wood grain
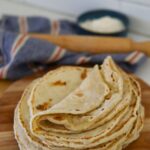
(12,95)
(4,84)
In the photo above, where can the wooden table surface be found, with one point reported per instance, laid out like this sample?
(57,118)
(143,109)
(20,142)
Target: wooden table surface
(4,84)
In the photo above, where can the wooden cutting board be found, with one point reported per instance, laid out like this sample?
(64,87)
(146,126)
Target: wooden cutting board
(12,95)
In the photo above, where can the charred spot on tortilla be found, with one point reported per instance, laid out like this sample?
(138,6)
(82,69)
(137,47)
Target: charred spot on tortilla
(79,94)
(108,96)
(86,137)
(77,109)
(84,74)
(102,109)
(45,122)
(59,83)
(44,106)
(113,78)
(59,118)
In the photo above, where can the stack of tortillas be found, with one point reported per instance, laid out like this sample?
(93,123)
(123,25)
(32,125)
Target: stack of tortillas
(70,108)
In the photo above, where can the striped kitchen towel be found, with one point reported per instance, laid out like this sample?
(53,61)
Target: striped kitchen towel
(21,55)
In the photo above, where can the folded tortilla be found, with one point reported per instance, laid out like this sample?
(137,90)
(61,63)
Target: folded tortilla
(80,108)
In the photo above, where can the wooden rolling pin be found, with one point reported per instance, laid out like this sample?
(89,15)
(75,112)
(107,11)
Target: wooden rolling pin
(96,44)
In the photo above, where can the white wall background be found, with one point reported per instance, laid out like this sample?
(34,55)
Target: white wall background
(137,10)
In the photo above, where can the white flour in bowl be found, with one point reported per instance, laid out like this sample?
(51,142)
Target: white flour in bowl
(105,24)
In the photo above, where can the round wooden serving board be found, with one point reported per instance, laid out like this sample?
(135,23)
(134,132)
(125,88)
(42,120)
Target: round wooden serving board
(12,95)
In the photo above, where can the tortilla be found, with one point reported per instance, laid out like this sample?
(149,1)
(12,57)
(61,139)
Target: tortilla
(80,108)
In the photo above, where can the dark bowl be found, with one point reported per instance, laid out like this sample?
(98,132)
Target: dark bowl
(90,15)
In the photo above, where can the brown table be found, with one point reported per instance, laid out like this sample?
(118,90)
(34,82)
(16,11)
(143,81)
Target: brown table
(4,84)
